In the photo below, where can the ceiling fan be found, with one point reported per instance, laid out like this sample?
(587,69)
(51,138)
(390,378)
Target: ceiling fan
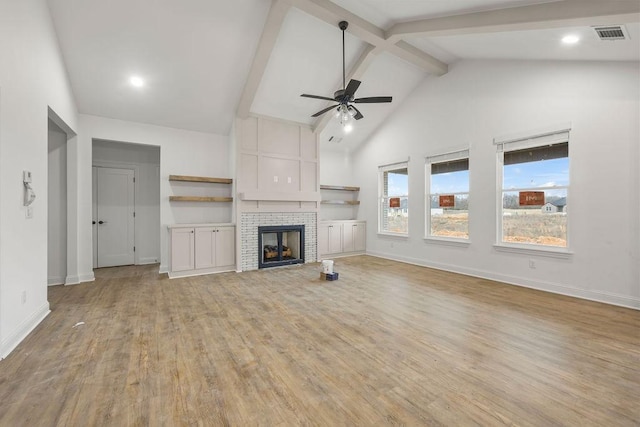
(345,97)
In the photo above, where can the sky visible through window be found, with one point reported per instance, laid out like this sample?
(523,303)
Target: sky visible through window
(398,184)
(541,174)
(450,182)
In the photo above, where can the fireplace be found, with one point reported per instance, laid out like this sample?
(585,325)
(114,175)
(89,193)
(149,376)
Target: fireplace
(280,245)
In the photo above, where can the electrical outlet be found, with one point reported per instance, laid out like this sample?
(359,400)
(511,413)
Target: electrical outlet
(23,297)
(532,264)
(275,178)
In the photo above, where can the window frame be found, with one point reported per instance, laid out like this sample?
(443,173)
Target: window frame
(458,154)
(381,196)
(556,135)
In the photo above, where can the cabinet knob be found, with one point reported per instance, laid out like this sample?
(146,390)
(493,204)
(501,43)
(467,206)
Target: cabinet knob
(192,231)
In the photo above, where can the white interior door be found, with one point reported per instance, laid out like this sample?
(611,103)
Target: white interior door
(115,227)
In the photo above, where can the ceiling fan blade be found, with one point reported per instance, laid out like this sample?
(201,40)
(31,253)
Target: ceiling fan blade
(317,97)
(352,87)
(321,112)
(373,99)
(358,114)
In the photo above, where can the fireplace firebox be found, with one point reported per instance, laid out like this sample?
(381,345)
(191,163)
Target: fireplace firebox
(280,245)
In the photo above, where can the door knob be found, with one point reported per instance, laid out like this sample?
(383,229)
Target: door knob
(102,222)
(93,223)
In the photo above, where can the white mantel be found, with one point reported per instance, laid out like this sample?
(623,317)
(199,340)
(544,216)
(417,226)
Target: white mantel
(300,196)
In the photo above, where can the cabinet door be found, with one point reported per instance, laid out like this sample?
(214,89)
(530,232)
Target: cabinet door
(205,247)
(182,247)
(225,246)
(335,238)
(323,239)
(360,236)
(347,237)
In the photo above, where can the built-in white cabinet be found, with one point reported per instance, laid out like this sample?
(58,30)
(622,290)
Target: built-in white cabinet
(201,249)
(341,238)
(182,249)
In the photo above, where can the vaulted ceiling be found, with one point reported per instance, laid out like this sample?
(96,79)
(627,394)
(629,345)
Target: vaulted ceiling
(205,62)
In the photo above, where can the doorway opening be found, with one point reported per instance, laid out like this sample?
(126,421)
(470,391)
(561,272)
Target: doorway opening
(56,205)
(126,203)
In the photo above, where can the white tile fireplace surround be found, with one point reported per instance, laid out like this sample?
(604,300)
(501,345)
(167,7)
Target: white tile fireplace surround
(249,223)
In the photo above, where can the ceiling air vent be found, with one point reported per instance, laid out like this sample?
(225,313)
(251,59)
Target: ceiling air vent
(613,32)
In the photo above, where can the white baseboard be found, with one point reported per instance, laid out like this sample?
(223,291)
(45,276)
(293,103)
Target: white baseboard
(75,280)
(53,281)
(556,288)
(72,280)
(339,255)
(163,269)
(14,338)
(89,277)
(201,272)
(147,260)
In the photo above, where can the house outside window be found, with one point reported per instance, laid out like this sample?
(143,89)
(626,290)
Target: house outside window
(393,190)
(534,185)
(447,201)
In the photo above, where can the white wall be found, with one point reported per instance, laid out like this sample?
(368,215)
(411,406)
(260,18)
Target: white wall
(33,77)
(145,160)
(479,100)
(181,153)
(57,206)
(335,168)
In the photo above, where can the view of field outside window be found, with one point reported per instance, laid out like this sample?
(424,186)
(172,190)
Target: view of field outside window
(394,203)
(541,169)
(449,179)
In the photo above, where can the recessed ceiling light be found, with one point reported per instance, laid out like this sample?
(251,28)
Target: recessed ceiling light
(570,39)
(136,81)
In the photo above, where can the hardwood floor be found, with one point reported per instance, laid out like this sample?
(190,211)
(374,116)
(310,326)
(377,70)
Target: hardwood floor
(387,344)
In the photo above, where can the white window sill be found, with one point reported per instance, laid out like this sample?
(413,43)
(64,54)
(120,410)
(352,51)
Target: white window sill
(534,250)
(464,243)
(397,235)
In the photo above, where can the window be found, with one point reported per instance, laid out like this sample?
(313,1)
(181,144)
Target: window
(534,190)
(394,199)
(447,181)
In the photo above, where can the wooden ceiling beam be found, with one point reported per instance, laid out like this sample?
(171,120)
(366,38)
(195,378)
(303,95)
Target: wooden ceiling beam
(277,13)
(565,13)
(332,14)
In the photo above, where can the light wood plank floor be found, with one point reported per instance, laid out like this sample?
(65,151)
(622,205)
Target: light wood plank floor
(387,344)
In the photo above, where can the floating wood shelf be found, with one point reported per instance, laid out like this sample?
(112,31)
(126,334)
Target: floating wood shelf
(339,187)
(200,179)
(199,199)
(340,202)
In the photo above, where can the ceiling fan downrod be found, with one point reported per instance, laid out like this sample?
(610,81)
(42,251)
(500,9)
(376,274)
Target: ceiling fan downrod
(343,26)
